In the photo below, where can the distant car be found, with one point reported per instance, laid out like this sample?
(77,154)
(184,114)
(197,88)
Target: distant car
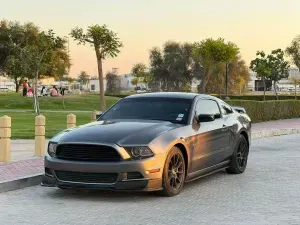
(151,142)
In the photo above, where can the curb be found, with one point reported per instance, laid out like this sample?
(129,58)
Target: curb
(36,179)
(273,133)
(20,183)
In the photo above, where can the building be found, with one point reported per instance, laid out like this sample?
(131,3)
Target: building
(94,85)
(256,84)
(294,72)
(126,83)
(7,84)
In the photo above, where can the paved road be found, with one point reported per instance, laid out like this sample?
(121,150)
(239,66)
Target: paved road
(267,193)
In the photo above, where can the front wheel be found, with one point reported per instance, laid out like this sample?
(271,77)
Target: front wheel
(239,158)
(173,177)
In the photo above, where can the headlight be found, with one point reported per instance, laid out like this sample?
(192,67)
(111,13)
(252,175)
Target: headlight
(139,152)
(52,149)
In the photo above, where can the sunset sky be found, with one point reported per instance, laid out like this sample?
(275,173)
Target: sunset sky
(142,24)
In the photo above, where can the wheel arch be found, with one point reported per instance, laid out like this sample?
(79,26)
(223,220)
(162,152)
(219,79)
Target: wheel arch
(246,136)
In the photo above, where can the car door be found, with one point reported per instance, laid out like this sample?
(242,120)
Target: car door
(209,137)
(230,126)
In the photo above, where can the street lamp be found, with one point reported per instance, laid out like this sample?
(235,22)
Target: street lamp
(226,81)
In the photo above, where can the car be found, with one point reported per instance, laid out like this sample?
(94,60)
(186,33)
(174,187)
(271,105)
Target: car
(151,142)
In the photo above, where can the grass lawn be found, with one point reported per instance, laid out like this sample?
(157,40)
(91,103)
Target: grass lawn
(86,102)
(23,123)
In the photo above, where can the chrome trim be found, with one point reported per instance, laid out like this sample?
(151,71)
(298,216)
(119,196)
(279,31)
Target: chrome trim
(73,182)
(123,153)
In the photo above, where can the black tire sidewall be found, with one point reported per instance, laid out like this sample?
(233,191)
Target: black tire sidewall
(234,166)
(241,139)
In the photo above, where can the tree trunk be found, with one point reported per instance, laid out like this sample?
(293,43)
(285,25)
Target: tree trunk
(202,86)
(274,85)
(264,83)
(35,94)
(101,81)
(205,80)
(295,91)
(17,85)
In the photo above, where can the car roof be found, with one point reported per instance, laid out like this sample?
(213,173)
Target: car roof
(183,95)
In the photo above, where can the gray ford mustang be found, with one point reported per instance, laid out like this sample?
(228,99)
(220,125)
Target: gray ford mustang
(151,142)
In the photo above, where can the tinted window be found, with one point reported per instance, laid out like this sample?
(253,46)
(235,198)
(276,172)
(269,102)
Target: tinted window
(207,107)
(167,109)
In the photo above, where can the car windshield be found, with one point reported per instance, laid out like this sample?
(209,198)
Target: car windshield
(175,110)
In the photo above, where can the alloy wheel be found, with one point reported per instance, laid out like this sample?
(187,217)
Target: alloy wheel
(176,171)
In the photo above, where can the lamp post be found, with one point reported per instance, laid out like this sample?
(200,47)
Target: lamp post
(226,81)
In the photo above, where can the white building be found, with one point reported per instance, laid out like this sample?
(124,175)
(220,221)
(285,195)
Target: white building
(94,85)
(294,72)
(6,84)
(126,83)
(283,84)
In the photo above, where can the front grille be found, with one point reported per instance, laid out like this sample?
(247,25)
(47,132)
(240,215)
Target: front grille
(79,177)
(82,152)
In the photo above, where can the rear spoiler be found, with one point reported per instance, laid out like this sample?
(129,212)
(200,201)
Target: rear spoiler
(239,109)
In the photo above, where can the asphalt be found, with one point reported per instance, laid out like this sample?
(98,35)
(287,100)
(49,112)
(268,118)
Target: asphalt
(267,193)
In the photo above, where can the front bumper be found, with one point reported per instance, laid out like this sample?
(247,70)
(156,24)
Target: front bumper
(150,169)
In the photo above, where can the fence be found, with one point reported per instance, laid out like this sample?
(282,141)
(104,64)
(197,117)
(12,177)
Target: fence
(40,124)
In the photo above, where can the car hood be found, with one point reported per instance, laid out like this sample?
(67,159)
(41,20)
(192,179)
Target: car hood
(119,132)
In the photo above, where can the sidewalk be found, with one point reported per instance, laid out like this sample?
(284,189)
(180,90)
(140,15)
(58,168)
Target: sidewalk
(26,170)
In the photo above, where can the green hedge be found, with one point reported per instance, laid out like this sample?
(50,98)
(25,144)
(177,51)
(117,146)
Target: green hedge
(269,110)
(117,95)
(261,97)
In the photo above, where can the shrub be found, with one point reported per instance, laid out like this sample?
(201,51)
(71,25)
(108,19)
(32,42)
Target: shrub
(260,111)
(261,97)
(117,95)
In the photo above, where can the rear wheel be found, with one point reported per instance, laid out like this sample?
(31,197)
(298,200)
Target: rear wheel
(62,188)
(239,158)
(174,173)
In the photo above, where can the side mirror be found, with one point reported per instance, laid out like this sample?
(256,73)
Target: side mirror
(98,115)
(205,118)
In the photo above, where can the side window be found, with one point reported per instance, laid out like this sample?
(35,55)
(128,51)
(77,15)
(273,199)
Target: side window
(205,106)
(226,109)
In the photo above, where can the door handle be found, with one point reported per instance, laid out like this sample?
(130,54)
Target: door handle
(225,128)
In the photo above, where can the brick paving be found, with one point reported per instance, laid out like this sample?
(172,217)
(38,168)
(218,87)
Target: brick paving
(20,169)
(25,164)
(266,194)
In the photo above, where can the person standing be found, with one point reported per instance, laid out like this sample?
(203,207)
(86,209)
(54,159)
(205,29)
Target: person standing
(62,91)
(44,91)
(25,87)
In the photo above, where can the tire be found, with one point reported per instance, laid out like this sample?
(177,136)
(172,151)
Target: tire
(239,158)
(173,177)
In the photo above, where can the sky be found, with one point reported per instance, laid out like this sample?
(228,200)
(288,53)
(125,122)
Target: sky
(143,24)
